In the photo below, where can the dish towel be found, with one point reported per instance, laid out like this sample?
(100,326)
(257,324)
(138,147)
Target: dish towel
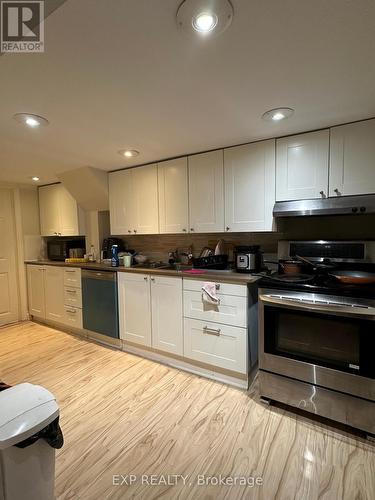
(209,294)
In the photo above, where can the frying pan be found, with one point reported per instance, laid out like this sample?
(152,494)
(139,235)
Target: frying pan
(354,277)
(318,266)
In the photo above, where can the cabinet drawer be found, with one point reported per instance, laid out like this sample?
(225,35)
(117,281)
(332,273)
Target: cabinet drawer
(222,288)
(218,345)
(73,316)
(232,310)
(72,277)
(73,296)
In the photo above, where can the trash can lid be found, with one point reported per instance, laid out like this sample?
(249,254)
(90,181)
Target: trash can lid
(25,409)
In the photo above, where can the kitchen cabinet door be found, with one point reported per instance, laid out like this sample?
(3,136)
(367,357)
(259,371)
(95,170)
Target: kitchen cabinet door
(59,212)
(352,159)
(146,199)
(134,308)
(122,203)
(71,216)
(206,192)
(173,196)
(166,307)
(49,210)
(302,166)
(249,179)
(36,291)
(54,293)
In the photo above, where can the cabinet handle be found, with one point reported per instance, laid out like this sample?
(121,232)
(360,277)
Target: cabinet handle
(129,231)
(184,230)
(322,194)
(153,279)
(71,291)
(69,271)
(211,331)
(135,231)
(145,278)
(41,269)
(227,228)
(72,311)
(337,191)
(192,230)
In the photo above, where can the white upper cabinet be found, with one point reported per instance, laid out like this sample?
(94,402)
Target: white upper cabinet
(249,173)
(146,199)
(302,166)
(59,212)
(121,202)
(206,192)
(352,159)
(133,196)
(173,196)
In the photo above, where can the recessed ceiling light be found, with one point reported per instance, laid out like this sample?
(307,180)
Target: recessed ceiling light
(277,114)
(128,153)
(205,22)
(204,17)
(35,178)
(30,120)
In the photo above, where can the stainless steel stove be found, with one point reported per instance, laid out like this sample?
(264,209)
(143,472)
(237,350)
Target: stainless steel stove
(317,338)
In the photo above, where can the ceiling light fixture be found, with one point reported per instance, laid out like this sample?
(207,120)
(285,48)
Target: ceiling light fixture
(31,120)
(204,17)
(277,114)
(35,178)
(128,153)
(205,22)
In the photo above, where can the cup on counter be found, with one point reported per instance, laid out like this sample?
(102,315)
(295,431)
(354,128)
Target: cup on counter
(127,260)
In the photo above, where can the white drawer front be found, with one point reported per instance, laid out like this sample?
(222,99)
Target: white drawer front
(223,288)
(218,345)
(72,277)
(73,296)
(73,317)
(232,310)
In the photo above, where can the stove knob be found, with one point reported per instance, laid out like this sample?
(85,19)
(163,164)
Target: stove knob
(354,210)
(363,209)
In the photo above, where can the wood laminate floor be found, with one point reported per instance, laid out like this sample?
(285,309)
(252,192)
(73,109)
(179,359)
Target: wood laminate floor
(124,415)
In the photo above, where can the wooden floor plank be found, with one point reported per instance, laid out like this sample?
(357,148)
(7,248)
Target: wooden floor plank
(122,414)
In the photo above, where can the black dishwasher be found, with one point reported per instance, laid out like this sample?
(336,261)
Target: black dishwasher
(99,302)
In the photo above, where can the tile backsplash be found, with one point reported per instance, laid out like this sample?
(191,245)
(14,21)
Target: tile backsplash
(348,227)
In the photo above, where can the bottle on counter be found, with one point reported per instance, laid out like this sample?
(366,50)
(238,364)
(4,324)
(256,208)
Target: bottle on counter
(92,255)
(115,262)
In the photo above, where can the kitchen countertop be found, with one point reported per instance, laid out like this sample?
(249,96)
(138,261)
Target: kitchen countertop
(211,275)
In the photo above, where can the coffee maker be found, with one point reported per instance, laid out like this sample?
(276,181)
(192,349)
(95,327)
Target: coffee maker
(248,259)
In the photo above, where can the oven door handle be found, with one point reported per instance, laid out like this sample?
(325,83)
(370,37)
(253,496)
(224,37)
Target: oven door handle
(331,308)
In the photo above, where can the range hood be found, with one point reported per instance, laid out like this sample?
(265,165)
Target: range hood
(341,205)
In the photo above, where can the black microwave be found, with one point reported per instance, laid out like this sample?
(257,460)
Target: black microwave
(60,248)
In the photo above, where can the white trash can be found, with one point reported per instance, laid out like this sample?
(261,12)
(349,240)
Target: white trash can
(29,435)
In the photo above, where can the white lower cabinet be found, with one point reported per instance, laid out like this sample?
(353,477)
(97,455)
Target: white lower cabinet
(36,292)
(135,308)
(166,309)
(50,298)
(54,293)
(217,335)
(215,344)
(150,310)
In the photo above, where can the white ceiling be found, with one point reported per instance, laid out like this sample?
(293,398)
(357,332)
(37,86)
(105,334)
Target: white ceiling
(119,74)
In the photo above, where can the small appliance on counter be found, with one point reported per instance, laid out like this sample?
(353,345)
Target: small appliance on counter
(248,259)
(62,248)
(107,247)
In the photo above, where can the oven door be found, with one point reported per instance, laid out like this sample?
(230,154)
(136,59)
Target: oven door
(324,340)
